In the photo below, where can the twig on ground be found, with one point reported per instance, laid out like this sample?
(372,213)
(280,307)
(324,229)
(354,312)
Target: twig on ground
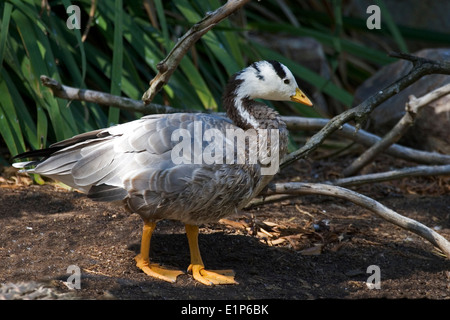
(365,202)
(421,67)
(412,109)
(167,66)
(264,200)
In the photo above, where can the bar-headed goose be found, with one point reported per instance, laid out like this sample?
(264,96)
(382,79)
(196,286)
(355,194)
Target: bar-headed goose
(190,167)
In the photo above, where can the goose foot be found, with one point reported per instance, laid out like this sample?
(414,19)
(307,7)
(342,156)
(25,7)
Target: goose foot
(211,277)
(155,270)
(207,277)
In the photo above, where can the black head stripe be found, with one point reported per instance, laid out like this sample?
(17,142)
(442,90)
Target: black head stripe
(258,71)
(255,66)
(278,68)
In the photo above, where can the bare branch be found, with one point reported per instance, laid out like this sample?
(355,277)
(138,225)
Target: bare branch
(70,93)
(421,67)
(293,123)
(167,66)
(412,108)
(417,61)
(365,202)
(415,104)
(368,139)
(418,171)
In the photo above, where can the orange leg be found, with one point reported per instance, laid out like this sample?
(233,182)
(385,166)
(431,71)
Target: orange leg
(197,267)
(143,260)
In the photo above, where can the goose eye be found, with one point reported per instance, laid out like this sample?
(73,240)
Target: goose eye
(286,81)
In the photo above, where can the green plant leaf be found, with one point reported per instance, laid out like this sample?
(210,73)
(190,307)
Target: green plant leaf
(117,64)
(4,31)
(396,34)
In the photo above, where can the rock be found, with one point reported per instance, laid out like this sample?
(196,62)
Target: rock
(431,130)
(31,291)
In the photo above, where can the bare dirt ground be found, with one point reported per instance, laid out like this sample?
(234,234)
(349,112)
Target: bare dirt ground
(299,248)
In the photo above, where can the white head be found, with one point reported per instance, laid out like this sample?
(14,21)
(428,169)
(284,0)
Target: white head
(270,80)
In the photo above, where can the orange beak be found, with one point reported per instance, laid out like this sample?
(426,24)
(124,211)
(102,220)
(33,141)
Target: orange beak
(300,97)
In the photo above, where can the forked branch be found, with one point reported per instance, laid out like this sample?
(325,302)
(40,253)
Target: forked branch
(360,113)
(412,109)
(367,139)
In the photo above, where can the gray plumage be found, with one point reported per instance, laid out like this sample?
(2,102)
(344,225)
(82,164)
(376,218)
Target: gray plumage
(133,163)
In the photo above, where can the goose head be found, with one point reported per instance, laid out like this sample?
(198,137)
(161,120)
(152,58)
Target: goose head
(270,80)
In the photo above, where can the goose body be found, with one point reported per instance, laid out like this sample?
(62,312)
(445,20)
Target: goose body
(160,166)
